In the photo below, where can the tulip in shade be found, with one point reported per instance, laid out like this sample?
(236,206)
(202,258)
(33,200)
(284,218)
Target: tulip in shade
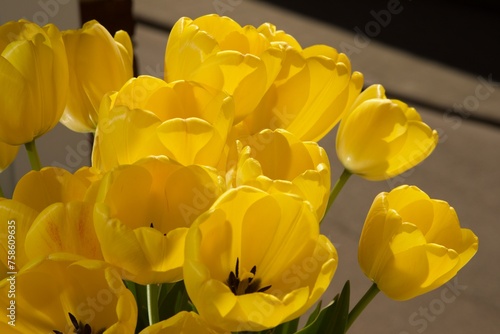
(411,244)
(67,294)
(33,80)
(143,212)
(99,63)
(256,260)
(277,161)
(380,138)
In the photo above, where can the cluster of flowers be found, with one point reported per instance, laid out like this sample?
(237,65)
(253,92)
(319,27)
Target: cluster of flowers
(203,203)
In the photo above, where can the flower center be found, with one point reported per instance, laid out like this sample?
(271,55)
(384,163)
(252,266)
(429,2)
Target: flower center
(240,286)
(80,328)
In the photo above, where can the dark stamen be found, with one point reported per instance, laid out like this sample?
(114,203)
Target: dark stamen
(80,328)
(248,285)
(74,321)
(87,329)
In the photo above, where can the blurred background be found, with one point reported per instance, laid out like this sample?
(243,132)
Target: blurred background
(462,34)
(439,56)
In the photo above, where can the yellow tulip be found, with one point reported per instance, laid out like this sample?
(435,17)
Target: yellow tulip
(278,161)
(411,244)
(380,138)
(256,260)
(143,212)
(185,121)
(49,214)
(8,154)
(33,80)
(274,82)
(67,294)
(182,323)
(98,64)
(315,88)
(219,53)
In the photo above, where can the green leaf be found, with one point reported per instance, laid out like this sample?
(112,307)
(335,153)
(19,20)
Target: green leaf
(314,314)
(139,292)
(173,299)
(341,312)
(289,327)
(333,318)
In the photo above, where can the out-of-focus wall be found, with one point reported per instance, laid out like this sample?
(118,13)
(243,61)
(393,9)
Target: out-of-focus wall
(60,147)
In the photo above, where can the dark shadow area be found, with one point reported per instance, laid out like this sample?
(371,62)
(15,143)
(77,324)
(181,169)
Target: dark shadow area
(462,34)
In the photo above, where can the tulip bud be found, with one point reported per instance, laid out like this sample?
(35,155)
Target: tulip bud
(99,64)
(33,80)
(380,138)
(411,244)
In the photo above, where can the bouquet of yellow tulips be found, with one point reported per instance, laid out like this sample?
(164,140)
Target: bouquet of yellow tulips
(201,210)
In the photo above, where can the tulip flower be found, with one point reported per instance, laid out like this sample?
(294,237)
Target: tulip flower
(274,82)
(143,212)
(67,294)
(93,53)
(8,154)
(318,87)
(49,214)
(183,120)
(33,80)
(182,323)
(219,53)
(380,138)
(256,260)
(278,161)
(411,244)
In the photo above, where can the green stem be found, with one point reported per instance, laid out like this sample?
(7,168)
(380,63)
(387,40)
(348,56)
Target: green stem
(337,188)
(362,303)
(152,294)
(33,155)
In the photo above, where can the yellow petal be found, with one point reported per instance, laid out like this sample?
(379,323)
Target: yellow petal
(8,154)
(182,323)
(64,228)
(128,136)
(39,189)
